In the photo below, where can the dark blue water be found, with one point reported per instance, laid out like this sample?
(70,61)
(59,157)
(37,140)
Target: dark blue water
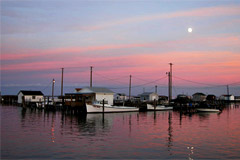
(36,134)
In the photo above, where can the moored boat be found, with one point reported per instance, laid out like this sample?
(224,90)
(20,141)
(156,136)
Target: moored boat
(158,108)
(98,108)
(207,110)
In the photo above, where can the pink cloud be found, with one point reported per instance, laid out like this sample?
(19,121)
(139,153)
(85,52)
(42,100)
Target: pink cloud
(33,53)
(205,41)
(208,67)
(194,65)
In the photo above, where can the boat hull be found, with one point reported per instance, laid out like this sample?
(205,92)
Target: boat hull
(207,110)
(109,109)
(158,108)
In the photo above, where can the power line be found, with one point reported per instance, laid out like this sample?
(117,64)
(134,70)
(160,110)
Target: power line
(194,81)
(140,79)
(110,79)
(209,85)
(235,83)
(47,86)
(141,84)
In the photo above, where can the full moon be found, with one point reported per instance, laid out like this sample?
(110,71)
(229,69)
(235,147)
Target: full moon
(189,30)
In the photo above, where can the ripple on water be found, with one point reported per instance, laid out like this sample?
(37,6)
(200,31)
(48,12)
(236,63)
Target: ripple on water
(39,134)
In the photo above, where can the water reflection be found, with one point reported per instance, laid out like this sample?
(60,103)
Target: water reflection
(180,118)
(53,128)
(190,152)
(23,114)
(146,135)
(170,130)
(130,124)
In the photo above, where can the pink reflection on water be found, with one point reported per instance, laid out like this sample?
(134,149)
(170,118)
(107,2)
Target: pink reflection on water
(205,135)
(125,135)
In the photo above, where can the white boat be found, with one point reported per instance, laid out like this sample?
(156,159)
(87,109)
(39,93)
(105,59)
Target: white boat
(158,108)
(98,108)
(207,110)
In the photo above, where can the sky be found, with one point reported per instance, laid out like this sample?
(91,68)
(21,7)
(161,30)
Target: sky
(119,39)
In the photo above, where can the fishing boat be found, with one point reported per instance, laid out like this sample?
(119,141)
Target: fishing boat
(98,108)
(158,108)
(207,110)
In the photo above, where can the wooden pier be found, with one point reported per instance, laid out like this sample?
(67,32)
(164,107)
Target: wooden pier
(76,104)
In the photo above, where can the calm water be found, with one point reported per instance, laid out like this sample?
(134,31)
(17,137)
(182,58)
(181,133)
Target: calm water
(47,135)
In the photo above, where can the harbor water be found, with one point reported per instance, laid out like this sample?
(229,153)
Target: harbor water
(37,134)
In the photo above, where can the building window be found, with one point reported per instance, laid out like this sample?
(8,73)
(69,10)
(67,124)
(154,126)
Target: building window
(33,97)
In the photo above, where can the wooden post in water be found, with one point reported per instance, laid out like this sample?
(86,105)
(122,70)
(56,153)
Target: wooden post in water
(103,112)
(103,106)
(154,104)
(44,101)
(48,100)
(23,102)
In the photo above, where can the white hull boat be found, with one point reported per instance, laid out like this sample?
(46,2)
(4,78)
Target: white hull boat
(207,110)
(98,108)
(158,108)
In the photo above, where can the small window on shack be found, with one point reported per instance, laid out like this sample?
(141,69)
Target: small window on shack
(33,97)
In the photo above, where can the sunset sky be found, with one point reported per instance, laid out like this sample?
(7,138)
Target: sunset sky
(120,38)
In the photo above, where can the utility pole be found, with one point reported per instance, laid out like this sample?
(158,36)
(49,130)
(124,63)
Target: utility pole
(156,89)
(91,76)
(170,83)
(62,88)
(169,90)
(227,90)
(228,96)
(53,81)
(130,87)
(62,83)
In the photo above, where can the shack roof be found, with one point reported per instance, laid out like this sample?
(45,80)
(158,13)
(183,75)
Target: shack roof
(24,92)
(95,90)
(121,94)
(198,93)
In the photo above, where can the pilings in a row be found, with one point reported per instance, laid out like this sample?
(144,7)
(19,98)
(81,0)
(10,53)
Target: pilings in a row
(64,109)
(74,109)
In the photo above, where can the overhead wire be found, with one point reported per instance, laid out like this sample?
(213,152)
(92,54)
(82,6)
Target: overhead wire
(193,81)
(110,79)
(83,69)
(47,86)
(207,85)
(141,84)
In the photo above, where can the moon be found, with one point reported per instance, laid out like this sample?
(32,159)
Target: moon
(190,30)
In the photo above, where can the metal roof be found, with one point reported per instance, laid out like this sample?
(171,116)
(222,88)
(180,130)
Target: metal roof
(24,92)
(99,90)
(198,93)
